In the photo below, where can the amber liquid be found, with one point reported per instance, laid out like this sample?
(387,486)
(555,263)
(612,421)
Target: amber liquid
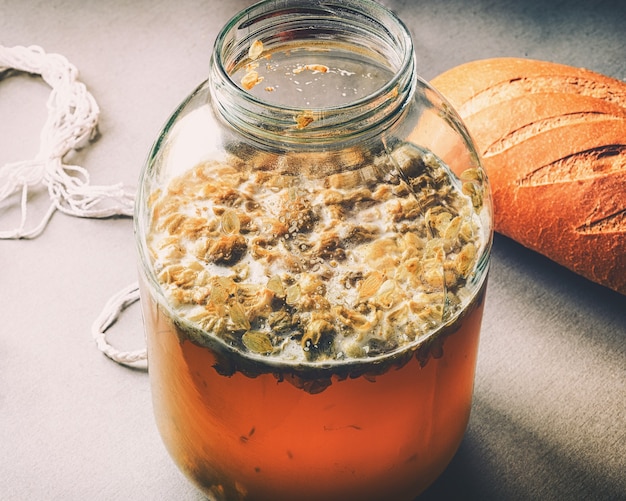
(382,438)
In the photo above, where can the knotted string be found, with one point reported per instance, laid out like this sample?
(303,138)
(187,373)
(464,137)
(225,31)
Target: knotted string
(71,124)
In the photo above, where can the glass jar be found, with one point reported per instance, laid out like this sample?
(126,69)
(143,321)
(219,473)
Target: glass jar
(314,231)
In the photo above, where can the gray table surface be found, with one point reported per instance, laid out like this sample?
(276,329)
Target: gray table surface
(549,416)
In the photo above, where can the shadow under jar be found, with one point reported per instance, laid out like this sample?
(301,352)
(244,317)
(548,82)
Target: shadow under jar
(314,230)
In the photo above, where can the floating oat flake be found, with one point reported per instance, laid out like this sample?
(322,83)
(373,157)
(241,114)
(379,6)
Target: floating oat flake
(256,49)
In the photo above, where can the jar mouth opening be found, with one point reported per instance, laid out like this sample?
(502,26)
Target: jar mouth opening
(366,28)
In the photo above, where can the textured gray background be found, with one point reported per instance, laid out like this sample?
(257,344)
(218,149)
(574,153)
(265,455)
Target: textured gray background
(549,418)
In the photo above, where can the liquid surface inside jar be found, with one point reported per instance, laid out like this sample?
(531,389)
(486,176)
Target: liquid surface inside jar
(312,75)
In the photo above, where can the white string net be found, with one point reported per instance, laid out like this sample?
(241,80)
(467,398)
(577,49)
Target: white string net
(71,124)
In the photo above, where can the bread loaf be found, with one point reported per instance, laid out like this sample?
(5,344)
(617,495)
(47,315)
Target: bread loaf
(553,142)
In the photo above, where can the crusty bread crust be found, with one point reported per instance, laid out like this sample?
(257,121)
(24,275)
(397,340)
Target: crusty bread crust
(553,142)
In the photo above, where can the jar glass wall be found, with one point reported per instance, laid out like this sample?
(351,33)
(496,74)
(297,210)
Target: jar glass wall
(314,230)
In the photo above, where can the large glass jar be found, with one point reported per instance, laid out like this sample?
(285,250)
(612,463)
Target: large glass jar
(314,230)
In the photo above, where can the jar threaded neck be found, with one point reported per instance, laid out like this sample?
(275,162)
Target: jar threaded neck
(365,34)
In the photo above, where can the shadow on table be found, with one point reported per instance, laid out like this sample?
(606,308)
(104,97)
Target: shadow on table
(500,459)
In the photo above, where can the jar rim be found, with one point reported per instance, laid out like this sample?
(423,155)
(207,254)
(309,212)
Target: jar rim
(392,43)
(370,10)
